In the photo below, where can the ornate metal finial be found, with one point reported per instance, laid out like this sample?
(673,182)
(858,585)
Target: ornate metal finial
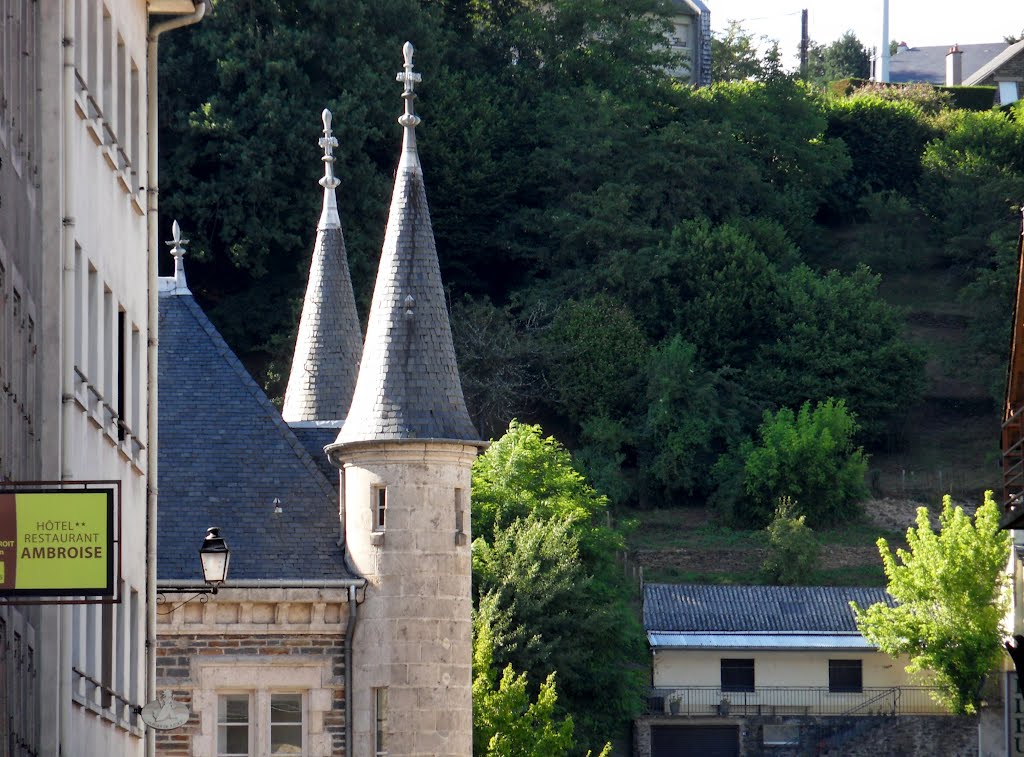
(177,245)
(409,119)
(328,142)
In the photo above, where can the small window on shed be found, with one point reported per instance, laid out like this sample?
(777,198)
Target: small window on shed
(737,674)
(845,676)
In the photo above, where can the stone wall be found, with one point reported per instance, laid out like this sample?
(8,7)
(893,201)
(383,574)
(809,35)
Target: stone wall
(870,736)
(256,642)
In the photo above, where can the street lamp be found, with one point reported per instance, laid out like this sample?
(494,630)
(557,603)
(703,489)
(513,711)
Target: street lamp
(215,556)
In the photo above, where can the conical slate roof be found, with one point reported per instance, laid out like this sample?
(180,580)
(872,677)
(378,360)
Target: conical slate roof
(326,358)
(408,386)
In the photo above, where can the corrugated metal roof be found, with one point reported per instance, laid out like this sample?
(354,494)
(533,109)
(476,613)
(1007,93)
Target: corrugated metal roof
(662,640)
(755,609)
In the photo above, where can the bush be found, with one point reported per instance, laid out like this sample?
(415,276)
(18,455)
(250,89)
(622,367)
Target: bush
(808,455)
(793,553)
(885,139)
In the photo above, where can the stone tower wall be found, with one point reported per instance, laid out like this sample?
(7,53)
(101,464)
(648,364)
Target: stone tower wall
(414,634)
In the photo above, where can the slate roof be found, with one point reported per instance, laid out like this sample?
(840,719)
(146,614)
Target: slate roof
(928,64)
(995,63)
(329,341)
(314,439)
(224,454)
(408,386)
(755,609)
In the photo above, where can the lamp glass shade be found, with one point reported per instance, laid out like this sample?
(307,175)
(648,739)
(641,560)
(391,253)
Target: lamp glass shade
(215,557)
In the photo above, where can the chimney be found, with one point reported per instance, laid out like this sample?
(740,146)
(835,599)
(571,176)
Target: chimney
(954,66)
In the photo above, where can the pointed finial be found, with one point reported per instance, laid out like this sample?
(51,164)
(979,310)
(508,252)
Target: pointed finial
(328,142)
(409,119)
(177,245)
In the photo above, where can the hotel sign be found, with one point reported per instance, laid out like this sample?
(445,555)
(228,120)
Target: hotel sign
(57,542)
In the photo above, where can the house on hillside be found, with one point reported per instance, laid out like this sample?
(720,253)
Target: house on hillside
(741,669)
(1005,71)
(691,38)
(950,65)
(344,627)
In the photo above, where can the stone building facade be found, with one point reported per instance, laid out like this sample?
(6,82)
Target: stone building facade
(276,655)
(77,222)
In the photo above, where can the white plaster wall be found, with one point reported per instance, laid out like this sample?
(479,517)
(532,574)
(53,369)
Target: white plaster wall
(84,202)
(414,633)
(678,668)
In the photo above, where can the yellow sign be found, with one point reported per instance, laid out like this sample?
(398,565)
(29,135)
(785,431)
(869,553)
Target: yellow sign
(56,542)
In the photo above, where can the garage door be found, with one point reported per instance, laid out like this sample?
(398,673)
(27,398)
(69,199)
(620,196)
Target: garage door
(695,741)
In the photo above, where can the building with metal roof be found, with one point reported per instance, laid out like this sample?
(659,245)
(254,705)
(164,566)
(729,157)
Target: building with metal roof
(737,669)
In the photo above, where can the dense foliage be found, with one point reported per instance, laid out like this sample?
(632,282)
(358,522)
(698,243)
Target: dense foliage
(643,267)
(547,585)
(949,592)
(809,456)
(506,721)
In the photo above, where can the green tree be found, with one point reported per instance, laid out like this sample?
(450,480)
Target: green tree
(693,416)
(792,549)
(835,337)
(808,455)
(735,55)
(844,58)
(949,597)
(595,358)
(544,571)
(505,722)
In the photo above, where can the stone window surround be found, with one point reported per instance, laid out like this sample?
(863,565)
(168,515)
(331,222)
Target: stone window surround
(259,676)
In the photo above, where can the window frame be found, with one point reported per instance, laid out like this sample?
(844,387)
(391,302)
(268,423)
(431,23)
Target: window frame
(278,674)
(837,668)
(738,667)
(380,721)
(379,508)
(249,729)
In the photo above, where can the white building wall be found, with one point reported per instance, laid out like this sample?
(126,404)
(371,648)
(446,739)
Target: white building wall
(677,668)
(104,428)
(88,281)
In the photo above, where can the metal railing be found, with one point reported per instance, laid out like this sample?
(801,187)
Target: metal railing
(693,701)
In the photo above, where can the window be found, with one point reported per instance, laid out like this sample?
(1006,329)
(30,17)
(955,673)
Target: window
(233,725)
(380,717)
(248,722)
(285,724)
(460,518)
(845,676)
(737,675)
(380,506)
(1007,92)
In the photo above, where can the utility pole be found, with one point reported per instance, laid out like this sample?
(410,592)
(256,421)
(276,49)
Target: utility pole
(805,43)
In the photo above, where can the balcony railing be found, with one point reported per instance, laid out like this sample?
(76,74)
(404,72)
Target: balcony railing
(702,701)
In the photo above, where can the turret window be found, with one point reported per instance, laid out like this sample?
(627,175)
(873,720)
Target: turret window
(380,717)
(460,518)
(379,501)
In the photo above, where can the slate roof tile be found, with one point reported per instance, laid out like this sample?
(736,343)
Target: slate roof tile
(225,453)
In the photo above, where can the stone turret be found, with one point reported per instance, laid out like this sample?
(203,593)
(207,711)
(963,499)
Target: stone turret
(326,358)
(405,451)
